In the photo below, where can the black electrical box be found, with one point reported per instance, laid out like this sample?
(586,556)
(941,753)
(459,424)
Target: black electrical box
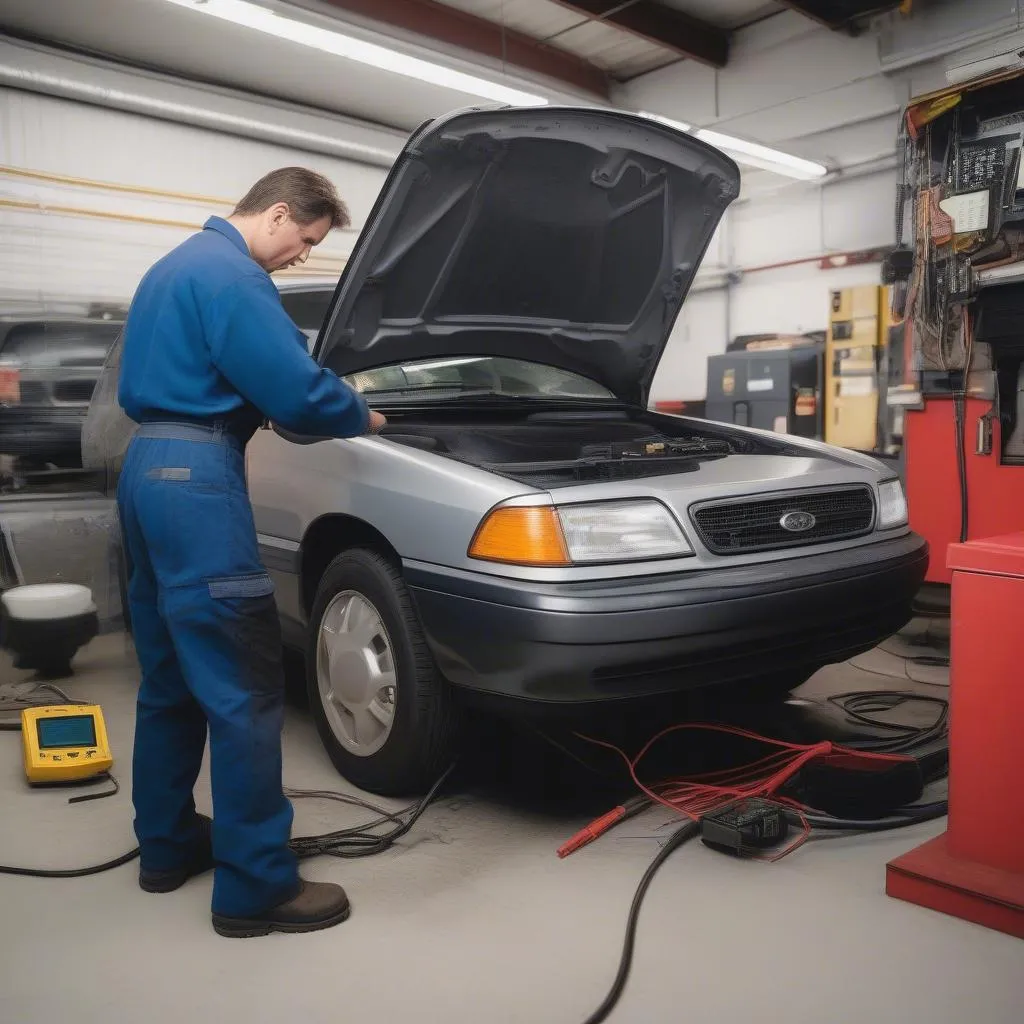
(778,390)
(744,827)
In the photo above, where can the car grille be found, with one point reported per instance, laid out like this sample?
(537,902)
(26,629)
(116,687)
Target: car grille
(754,524)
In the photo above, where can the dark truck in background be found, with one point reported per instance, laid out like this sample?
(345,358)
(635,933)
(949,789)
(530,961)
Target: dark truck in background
(57,523)
(49,366)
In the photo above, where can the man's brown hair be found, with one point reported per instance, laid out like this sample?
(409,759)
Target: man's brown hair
(309,196)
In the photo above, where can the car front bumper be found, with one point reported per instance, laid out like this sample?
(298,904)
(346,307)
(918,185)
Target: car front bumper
(609,640)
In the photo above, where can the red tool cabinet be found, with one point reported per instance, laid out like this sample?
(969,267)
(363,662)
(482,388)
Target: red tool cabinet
(975,870)
(995,492)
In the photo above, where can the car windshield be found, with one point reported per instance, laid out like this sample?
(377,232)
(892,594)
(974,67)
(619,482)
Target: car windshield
(443,378)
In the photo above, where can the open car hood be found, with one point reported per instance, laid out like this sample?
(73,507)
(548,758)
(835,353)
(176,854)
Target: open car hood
(566,237)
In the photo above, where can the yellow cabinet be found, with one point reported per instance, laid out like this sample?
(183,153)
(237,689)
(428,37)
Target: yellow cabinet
(856,317)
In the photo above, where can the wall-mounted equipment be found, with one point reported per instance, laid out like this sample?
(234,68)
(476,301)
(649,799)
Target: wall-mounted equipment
(960,212)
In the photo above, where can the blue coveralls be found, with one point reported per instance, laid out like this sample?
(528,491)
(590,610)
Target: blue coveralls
(209,352)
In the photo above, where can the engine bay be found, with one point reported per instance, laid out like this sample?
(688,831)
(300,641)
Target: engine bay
(556,447)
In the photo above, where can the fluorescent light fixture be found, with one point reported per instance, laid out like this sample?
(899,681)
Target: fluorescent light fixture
(754,155)
(262,19)
(750,154)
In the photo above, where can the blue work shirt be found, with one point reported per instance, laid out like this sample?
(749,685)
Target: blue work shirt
(206,338)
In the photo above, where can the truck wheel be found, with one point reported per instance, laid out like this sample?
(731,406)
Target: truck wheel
(385,715)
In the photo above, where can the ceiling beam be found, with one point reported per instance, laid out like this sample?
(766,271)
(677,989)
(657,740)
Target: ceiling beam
(467,32)
(841,14)
(686,35)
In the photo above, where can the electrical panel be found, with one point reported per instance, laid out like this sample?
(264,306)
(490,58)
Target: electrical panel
(961,214)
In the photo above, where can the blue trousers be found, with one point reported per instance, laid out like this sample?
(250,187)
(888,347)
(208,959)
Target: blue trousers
(208,641)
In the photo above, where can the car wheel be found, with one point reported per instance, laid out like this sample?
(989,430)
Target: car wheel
(385,715)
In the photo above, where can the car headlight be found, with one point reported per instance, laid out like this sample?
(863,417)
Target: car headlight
(614,531)
(892,505)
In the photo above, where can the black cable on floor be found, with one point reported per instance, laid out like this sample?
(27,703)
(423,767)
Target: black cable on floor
(71,872)
(682,835)
(99,796)
(360,840)
(356,841)
(864,706)
(912,815)
(906,674)
(17,697)
(915,814)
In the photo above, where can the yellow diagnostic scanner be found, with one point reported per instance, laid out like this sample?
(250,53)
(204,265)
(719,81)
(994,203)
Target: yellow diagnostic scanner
(64,743)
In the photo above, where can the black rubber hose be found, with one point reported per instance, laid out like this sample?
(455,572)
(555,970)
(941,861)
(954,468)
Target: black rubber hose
(959,416)
(70,872)
(677,839)
(910,816)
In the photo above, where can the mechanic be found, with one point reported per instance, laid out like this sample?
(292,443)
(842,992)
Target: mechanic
(209,354)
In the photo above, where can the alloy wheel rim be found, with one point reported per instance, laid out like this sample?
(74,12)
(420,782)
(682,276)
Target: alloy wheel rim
(355,670)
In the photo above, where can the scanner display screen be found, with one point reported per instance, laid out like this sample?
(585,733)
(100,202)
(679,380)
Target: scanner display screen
(66,731)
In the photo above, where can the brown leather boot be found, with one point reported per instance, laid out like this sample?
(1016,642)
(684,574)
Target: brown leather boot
(200,861)
(316,905)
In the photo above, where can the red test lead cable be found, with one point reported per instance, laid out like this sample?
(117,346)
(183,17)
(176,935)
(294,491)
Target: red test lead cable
(599,826)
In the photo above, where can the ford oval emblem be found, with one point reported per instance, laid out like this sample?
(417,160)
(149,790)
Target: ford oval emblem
(798,522)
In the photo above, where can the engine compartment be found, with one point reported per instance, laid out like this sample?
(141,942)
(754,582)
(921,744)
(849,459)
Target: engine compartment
(560,447)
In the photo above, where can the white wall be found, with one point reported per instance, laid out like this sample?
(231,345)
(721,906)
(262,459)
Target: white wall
(800,223)
(682,372)
(183,173)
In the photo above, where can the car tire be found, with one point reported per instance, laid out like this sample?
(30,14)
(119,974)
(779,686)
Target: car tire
(364,627)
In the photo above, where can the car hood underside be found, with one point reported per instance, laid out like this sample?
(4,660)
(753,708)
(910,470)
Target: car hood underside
(565,237)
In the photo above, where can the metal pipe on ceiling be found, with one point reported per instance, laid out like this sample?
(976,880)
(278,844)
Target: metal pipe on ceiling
(321,262)
(111,186)
(33,68)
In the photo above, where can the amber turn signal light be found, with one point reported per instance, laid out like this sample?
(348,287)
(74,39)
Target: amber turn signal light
(521,536)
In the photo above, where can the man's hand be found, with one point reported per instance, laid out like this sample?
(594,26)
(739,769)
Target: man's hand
(377,421)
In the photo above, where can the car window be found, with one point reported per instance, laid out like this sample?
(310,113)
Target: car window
(500,376)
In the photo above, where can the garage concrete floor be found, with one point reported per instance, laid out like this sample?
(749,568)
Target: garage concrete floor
(475,919)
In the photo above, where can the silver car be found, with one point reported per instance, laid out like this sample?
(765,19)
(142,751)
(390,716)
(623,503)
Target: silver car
(525,528)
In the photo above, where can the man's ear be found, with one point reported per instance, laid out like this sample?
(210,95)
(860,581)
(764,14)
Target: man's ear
(277,216)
